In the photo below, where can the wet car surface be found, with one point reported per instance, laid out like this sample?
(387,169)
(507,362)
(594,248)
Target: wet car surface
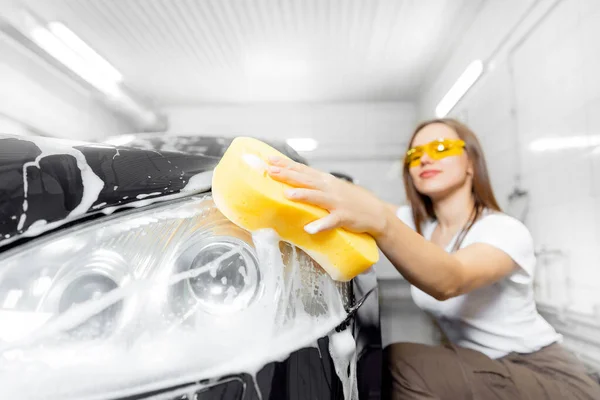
(50,187)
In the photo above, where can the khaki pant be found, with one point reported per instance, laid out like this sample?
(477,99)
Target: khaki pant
(447,372)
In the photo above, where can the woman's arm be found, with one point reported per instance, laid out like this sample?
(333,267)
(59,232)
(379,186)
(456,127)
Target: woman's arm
(433,270)
(422,263)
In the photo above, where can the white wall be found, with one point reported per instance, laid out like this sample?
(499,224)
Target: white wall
(360,139)
(344,130)
(36,96)
(545,83)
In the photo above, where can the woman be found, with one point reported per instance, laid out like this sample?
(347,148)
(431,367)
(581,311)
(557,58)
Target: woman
(470,266)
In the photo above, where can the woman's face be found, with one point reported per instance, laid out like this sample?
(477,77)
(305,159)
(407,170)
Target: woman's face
(438,178)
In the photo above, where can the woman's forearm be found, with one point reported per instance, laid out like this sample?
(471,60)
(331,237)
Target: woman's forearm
(421,262)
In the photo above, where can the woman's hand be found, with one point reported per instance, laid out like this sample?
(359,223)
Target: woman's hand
(349,205)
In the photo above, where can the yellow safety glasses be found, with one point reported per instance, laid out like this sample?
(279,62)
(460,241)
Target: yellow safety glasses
(437,149)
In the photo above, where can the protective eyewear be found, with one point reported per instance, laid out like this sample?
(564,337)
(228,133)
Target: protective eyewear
(437,149)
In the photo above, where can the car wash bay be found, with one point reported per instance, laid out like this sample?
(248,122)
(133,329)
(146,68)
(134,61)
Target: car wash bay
(345,83)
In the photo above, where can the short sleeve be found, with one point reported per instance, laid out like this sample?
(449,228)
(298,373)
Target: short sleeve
(511,236)
(404,213)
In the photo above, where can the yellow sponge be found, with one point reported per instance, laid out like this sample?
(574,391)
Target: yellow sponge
(250,198)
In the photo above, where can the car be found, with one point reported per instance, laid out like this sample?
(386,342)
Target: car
(120,279)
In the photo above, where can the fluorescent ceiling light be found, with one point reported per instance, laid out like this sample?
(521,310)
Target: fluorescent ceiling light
(67,48)
(81,48)
(303,144)
(564,143)
(460,87)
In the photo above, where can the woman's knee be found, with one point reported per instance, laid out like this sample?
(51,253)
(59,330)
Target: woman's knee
(408,361)
(424,370)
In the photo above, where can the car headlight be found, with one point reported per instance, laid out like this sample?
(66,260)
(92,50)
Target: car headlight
(162,295)
(231,284)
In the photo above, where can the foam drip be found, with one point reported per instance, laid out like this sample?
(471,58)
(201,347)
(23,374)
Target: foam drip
(342,349)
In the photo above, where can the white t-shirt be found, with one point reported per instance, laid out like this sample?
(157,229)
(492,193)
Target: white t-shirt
(500,318)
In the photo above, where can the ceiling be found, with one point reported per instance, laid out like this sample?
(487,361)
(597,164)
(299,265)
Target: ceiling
(186,52)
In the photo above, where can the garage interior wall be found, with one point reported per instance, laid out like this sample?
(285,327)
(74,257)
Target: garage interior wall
(537,112)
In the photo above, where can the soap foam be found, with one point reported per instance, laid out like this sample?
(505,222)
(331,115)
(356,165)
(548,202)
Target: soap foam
(255,162)
(298,304)
(199,182)
(342,348)
(144,195)
(92,184)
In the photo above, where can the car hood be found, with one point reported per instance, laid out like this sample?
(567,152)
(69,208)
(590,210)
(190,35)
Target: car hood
(47,183)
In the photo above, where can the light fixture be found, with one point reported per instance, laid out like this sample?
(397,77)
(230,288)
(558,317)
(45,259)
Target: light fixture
(55,42)
(66,47)
(460,88)
(564,143)
(303,144)
(81,48)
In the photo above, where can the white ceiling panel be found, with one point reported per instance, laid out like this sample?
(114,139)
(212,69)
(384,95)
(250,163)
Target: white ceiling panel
(231,51)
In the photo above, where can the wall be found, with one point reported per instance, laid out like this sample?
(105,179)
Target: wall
(345,131)
(361,139)
(45,101)
(544,84)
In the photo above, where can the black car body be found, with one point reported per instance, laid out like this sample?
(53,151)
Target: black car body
(56,195)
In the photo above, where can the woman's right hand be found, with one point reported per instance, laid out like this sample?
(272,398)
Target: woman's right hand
(350,206)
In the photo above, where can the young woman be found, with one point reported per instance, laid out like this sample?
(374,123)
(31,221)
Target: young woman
(470,266)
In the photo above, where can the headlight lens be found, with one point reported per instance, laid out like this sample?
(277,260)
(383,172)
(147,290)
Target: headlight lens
(157,296)
(233,281)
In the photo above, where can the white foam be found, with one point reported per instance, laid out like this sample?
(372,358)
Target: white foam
(199,182)
(342,348)
(144,195)
(109,210)
(37,226)
(21,221)
(255,162)
(97,206)
(144,202)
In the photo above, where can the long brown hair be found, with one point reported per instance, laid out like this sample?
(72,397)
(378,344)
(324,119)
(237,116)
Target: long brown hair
(483,194)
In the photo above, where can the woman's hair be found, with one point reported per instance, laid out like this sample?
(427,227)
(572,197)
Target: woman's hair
(422,206)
